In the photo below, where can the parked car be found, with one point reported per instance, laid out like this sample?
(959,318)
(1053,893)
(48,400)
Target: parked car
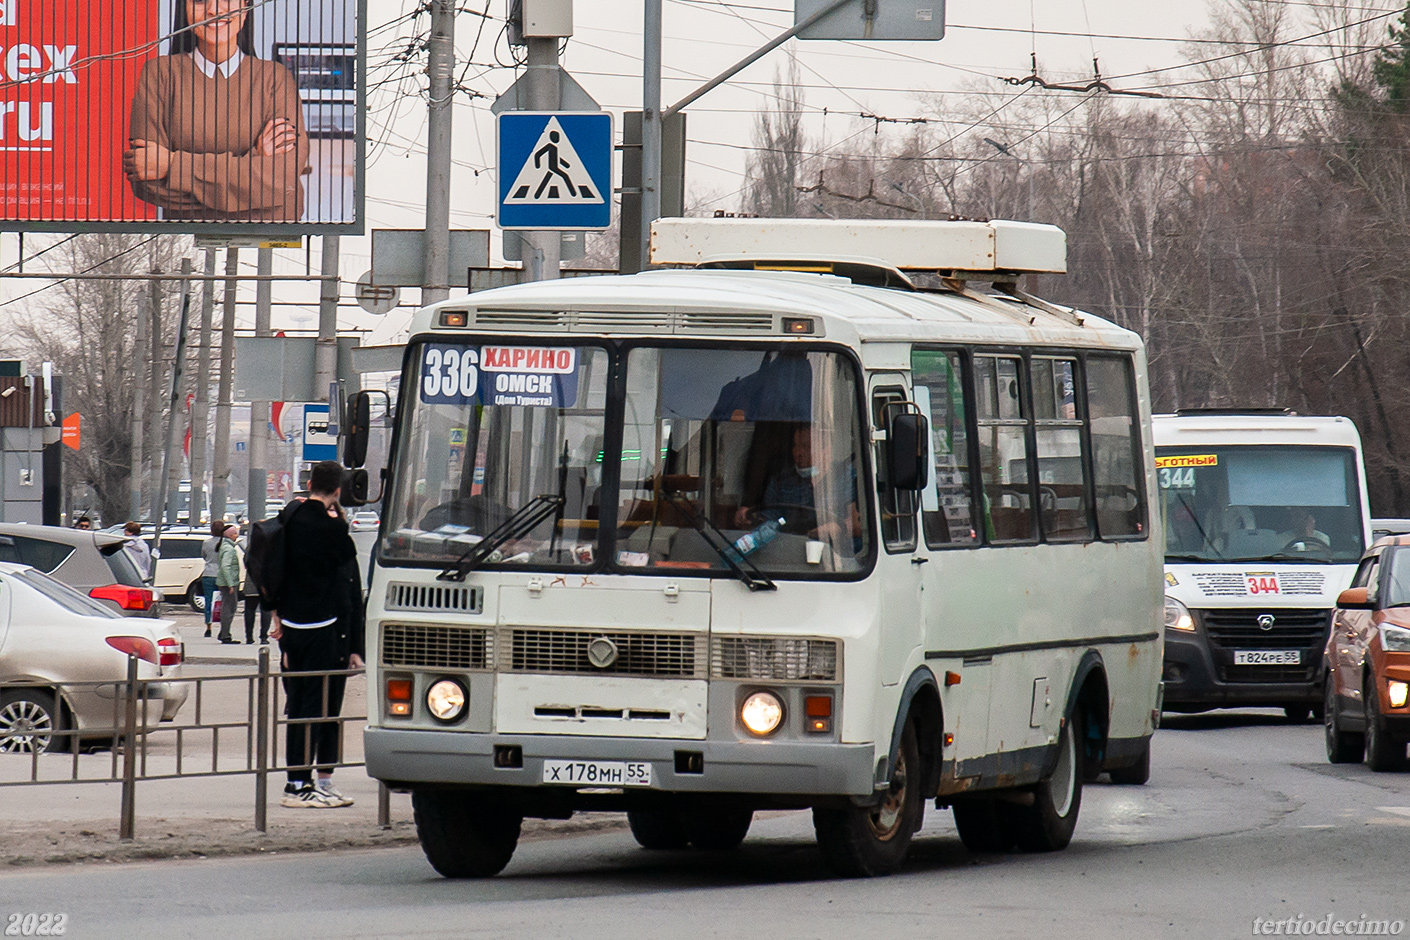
(51,633)
(178,570)
(1367,706)
(91,562)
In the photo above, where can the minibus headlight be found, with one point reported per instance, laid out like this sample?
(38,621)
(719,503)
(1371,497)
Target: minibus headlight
(1397,691)
(1177,616)
(1395,639)
(761,713)
(445,699)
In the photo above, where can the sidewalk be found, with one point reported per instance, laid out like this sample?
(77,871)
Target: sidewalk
(206,816)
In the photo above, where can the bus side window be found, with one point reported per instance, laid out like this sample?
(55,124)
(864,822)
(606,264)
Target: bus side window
(1062,467)
(1116,447)
(898,508)
(941,373)
(1007,511)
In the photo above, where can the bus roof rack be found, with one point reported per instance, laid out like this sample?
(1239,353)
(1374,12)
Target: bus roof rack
(1192,412)
(993,250)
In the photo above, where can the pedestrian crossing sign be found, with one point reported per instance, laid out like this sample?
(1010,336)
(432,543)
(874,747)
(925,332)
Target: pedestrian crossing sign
(555,170)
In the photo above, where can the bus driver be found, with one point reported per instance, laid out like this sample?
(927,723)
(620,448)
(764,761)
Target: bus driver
(817,496)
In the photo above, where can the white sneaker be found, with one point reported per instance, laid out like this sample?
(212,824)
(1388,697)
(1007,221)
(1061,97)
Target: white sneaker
(333,793)
(307,797)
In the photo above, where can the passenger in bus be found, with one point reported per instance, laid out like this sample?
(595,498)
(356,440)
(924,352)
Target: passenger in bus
(814,494)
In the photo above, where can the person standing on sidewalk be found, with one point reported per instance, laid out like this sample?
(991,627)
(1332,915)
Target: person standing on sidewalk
(316,625)
(253,603)
(138,550)
(210,552)
(227,579)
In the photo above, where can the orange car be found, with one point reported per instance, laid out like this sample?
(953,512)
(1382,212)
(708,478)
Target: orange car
(1367,706)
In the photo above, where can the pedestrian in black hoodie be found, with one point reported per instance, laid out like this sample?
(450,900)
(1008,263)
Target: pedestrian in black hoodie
(318,624)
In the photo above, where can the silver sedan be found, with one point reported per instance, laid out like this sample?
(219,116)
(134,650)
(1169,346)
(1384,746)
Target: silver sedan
(63,662)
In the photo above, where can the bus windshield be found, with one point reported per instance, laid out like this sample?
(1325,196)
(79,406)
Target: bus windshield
(1260,503)
(729,457)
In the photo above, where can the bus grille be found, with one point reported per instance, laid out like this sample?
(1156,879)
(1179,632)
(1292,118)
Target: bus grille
(778,659)
(457,598)
(439,647)
(1291,629)
(675,655)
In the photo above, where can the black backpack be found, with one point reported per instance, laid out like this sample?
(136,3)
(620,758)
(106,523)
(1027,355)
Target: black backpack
(264,560)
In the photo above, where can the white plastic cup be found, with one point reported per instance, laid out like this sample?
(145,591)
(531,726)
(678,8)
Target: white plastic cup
(814,552)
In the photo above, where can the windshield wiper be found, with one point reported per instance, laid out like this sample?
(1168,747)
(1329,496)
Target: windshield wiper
(753,578)
(522,522)
(1200,558)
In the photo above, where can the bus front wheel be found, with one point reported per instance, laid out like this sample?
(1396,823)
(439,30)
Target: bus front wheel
(464,836)
(866,841)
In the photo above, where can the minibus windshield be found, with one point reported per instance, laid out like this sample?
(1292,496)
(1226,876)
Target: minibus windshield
(1260,503)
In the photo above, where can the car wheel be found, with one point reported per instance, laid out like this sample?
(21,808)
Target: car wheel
(1343,747)
(984,824)
(716,828)
(1383,752)
(657,829)
(865,841)
(464,836)
(28,722)
(196,597)
(1137,774)
(1048,824)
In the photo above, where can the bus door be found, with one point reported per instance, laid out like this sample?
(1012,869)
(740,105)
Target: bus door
(899,565)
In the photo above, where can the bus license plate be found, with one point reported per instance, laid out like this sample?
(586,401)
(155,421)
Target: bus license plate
(1267,657)
(598,773)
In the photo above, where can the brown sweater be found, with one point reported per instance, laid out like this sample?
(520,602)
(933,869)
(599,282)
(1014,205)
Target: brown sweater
(211,125)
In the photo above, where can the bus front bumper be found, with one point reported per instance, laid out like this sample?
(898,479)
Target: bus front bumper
(404,759)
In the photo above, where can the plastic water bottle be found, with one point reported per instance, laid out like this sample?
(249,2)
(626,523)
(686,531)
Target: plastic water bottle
(751,542)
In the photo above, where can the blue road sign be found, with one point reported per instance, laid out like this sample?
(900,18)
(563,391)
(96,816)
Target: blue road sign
(318,443)
(555,170)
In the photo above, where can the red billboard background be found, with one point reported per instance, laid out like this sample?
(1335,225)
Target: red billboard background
(70,68)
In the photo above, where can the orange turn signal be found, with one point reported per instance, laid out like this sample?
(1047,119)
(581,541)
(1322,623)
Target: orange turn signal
(952,678)
(818,706)
(398,690)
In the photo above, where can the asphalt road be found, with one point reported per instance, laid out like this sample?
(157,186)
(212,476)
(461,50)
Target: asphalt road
(1243,819)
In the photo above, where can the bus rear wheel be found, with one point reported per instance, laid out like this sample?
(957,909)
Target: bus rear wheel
(1137,774)
(462,835)
(1047,825)
(866,841)
(657,829)
(983,825)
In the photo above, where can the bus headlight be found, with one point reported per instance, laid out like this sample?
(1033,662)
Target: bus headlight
(1177,616)
(445,699)
(761,713)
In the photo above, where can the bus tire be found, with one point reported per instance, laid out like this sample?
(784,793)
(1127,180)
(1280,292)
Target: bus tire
(866,841)
(464,836)
(1137,774)
(1047,825)
(716,829)
(657,829)
(984,825)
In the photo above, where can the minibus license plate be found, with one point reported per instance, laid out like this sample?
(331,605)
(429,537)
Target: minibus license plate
(1267,657)
(598,773)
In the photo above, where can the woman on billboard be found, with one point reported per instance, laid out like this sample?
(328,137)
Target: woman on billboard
(217,134)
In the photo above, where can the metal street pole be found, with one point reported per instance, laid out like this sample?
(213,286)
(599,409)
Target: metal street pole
(164,483)
(260,410)
(200,408)
(220,478)
(542,76)
(650,126)
(154,394)
(325,355)
(441,70)
(140,351)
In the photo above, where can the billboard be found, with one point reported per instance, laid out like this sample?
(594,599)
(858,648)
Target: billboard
(205,116)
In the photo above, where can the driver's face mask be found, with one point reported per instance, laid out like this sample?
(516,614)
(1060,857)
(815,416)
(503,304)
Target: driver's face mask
(807,473)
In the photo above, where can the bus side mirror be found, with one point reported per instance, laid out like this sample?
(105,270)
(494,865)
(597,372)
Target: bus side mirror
(359,431)
(354,489)
(906,452)
(1354,599)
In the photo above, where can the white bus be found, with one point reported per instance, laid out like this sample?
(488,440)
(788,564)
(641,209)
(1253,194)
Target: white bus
(1265,517)
(777,530)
